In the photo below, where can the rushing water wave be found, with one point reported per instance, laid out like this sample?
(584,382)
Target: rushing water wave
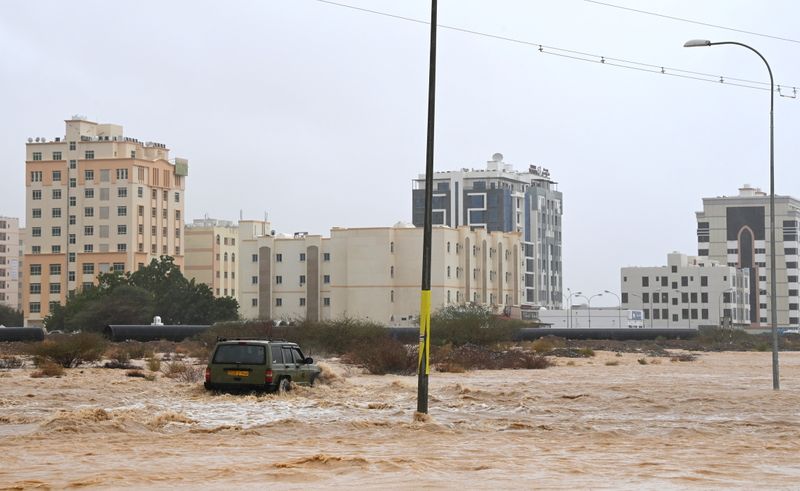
(603,422)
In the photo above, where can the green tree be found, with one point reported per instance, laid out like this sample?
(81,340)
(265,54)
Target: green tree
(135,298)
(10,317)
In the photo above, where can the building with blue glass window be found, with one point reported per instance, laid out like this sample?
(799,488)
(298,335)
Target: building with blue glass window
(501,199)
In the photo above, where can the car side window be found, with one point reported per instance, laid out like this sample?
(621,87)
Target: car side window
(287,355)
(298,355)
(277,354)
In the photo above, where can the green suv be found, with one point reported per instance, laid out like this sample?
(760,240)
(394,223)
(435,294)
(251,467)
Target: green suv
(248,364)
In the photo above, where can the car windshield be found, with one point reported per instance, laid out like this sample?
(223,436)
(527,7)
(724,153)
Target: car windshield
(246,354)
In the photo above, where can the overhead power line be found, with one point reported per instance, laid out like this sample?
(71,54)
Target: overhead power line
(783,90)
(681,19)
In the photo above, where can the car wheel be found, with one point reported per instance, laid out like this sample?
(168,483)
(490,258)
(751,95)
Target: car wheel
(285,385)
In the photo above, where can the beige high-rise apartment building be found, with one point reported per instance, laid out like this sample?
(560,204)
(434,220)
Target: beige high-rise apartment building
(96,201)
(210,248)
(10,258)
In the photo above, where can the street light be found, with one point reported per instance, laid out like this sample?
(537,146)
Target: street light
(590,306)
(773,280)
(569,305)
(641,302)
(619,308)
(689,311)
(720,304)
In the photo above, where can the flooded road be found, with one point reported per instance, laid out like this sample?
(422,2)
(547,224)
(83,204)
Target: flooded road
(604,422)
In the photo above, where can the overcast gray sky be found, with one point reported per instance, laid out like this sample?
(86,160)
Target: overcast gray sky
(316,113)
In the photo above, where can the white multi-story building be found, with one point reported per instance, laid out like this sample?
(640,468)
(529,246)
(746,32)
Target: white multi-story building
(372,273)
(734,230)
(500,199)
(10,262)
(96,201)
(687,292)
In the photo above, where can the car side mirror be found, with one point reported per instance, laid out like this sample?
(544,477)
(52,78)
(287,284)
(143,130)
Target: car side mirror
(309,360)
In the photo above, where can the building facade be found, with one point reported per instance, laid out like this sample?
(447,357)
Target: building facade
(10,263)
(500,199)
(210,255)
(96,201)
(688,292)
(374,273)
(734,230)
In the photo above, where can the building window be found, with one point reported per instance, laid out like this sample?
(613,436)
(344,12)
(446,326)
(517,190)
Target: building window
(55,231)
(36,269)
(71,257)
(177,197)
(302,301)
(704,281)
(55,288)
(278,280)
(37,155)
(391,271)
(73,164)
(88,230)
(34,307)
(122,192)
(73,201)
(122,229)
(88,211)
(302,256)
(122,247)
(278,258)
(645,281)
(36,176)
(35,288)
(88,248)
(36,231)
(71,276)
(36,213)
(88,193)
(88,268)
(89,155)
(302,279)
(254,302)
(391,247)
(326,279)
(73,183)
(56,194)
(326,301)
(254,280)
(278,302)
(255,258)
(55,269)
(56,155)
(36,195)
(122,173)
(391,295)
(56,212)
(72,145)
(122,211)
(57,175)
(326,256)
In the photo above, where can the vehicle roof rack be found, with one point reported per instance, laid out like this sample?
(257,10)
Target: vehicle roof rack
(221,339)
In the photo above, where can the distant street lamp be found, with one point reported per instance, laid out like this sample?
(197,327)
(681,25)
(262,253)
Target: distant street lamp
(590,306)
(773,275)
(720,304)
(569,305)
(619,308)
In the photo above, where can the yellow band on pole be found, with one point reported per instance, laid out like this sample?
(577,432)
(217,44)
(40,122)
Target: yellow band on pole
(425,332)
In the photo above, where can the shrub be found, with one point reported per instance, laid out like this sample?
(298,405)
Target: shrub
(470,324)
(69,351)
(683,357)
(153,364)
(135,373)
(194,349)
(450,367)
(191,375)
(543,345)
(384,356)
(48,369)
(642,361)
(174,369)
(119,357)
(612,363)
(585,352)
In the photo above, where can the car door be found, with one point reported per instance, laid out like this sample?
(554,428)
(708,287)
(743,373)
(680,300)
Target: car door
(299,375)
(279,362)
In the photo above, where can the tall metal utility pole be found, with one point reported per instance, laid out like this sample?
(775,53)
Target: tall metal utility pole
(424,368)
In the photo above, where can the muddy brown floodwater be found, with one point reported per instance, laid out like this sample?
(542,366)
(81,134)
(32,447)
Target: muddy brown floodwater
(710,423)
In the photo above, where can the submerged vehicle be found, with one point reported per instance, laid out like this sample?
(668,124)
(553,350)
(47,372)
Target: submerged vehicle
(258,365)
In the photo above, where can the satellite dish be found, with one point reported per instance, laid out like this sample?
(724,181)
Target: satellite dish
(37,139)
(498,157)
(30,139)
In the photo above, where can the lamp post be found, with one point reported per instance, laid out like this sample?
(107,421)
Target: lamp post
(652,315)
(773,280)
(640,301)
(619,308)
(569,305)
(689,310)
(590,306)
(720,304)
